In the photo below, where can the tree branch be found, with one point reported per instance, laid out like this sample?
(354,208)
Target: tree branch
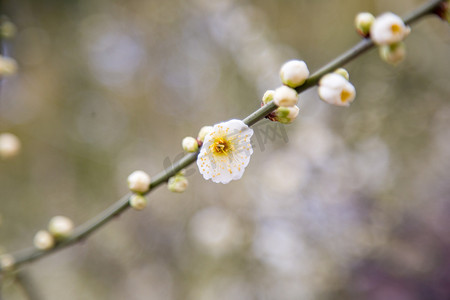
(84,230)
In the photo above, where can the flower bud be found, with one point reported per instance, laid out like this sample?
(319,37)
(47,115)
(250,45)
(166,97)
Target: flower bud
(268,96)
(139,182)
(138,201)
(189,144)
(285,96)
(9,145)
(177,184)
(388,28)
(8,66)
(60,227)
(203,132)
(286,115)
(343,72)
(294,73)
(7,262)
(335,89)
(363,22)
(43,240)
(7,29)
(394,53)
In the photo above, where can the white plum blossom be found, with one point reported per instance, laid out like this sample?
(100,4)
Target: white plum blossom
(294,73)
(225,152)
(335,89)
(388,28)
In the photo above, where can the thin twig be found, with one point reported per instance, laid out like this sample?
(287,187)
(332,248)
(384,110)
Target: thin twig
(84,230)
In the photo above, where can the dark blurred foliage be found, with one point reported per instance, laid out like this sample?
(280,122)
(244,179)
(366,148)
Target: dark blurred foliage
(354,205)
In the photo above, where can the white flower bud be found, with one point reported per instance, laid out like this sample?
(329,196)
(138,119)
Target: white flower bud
(285,96)
(60,227)
(294,73)
(203,132)
(363,22)
(286,115)
(9,145)
(388,28)
(43,240)
(138,202)
(177,184)
(393,54)
(343,72)
(8,66)
(268,96)
(335,89)
(7,262)
(189,144)
(139,182)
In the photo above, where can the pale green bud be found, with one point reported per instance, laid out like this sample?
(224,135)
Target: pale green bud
(343,72)
(177,184)
(8,66)
(7,262)
(43,240)
(7,29)
(203,132)
(189,144)
(138,201)
(60,227)
(393,54)
(285,96)
(139,182)
(294,73)
(363,21)
(286,115)
(268,96)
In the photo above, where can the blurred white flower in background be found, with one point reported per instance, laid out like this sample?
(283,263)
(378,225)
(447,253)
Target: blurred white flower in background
(216,231)
(9,145)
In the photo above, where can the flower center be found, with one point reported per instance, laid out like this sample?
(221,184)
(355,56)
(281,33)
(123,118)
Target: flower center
(221,146)
(345,95)
(395,28)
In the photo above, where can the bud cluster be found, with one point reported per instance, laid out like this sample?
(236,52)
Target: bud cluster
(59,228)
(387,31)
(293,74)
(139,184)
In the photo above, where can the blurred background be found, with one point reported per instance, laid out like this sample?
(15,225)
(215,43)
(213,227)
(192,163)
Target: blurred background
(345,203)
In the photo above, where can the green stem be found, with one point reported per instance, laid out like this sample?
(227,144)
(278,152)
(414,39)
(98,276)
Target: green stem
(84,230)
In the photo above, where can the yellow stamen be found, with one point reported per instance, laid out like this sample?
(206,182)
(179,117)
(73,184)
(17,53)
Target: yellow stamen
(395,28)
(345,95)
(221,146)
